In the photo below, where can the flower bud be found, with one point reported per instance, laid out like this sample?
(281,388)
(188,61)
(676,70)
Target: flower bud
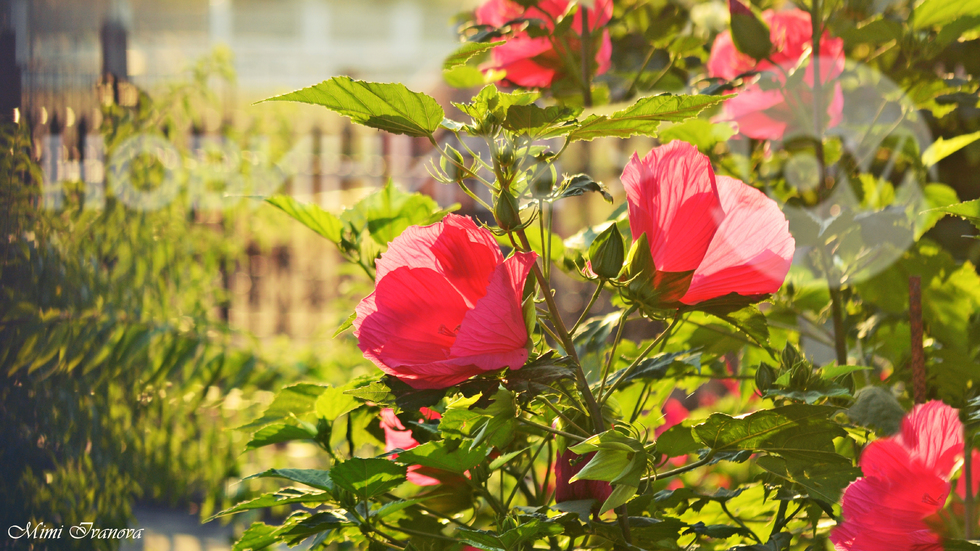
(765,376)
(749,34)
(543,180)
(606,253)
(507,211)
(505,154)
(453,167)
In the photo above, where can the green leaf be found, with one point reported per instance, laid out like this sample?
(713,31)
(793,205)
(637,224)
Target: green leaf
(258,536)
(311,477)
(936,196)
(643,117)
(942,148)
(388,213)
(677,441)
(296,400)
(348,323)
(511,539)
(276,434)
(790,428)
(334,402)
(505,459)
(376,392)
(940,12)
(703,134)
(658,366)
(467,51)
(366,478)
(455,456)
(579,184)
(823,474)
(533,120)
(310,215)
(751,321)
(285,496)
(967,210)
(389,107)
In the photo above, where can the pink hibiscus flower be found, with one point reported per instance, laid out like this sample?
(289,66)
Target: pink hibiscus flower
(535,62)
(766,114)
(906,479)
(446,306)
(398,437)
(674,413)
(598,490)
(734,238)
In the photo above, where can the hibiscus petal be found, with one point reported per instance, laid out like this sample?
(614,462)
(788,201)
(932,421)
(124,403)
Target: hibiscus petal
(410,318)
(446,247)
(752,250)
(933,434)
(673,198)
(493,334)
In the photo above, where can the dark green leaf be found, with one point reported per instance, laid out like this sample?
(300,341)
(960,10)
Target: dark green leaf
(782,429)
(284,496)
(366,478)
(390,107)
(533,120)
(579,184)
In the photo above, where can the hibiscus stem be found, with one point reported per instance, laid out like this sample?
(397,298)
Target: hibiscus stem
(588,307)
(564,417)
(636,362)
(840,335)
(566,339)
(556,432)
(615,345)
(681,470)
(586,56)
(968,482)
(520,480)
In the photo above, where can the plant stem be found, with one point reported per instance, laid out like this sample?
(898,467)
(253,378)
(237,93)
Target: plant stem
(636,362)
(840,335)
(586,58)
(681,470)
(968,473)
(566,340)
(739,522)
(520,479)
(918,363)
(622,515)
(612,351)
(585,313)
(546,428)
(564,417)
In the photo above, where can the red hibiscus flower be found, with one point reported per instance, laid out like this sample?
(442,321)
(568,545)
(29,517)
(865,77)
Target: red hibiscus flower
(446,306)
(734,238)
(906,479)
(535,62)
(674,413)
(398,437)
(581,489)
(766,114)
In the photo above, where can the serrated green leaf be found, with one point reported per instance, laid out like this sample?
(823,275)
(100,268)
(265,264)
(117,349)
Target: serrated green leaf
(455,456)
(348,323)
(276,434)
(533,120)
(284,496)
(258,536)
(940,12)
(823,474)
(643,117)
(467,51)
(310,215)
(942,148)
(311,477)
(296,400)
(366,478)
(782,429)
(334,402)
(389,107)
(967,210)
(389,212)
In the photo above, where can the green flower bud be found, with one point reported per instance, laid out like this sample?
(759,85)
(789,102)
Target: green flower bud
(505,154)
(453,169)
(543,179)
(507,211)
(765,376)
(790,357)
(749,34)
(607,252)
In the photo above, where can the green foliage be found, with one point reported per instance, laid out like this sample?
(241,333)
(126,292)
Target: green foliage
(389,107)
